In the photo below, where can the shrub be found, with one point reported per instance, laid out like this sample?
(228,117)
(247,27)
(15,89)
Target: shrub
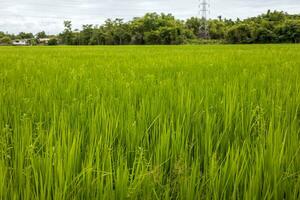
(5,40)
(52,42)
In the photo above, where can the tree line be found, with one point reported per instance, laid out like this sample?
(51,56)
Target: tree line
(165,29)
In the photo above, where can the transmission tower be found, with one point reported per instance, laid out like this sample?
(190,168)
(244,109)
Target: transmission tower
(204,6)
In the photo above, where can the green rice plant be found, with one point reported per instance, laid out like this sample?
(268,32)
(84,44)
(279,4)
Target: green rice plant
(150,122)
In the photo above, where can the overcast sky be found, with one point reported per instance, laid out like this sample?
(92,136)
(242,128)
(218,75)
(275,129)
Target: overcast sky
(48,15)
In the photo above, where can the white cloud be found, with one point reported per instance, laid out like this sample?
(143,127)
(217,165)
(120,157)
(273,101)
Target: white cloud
(37,15)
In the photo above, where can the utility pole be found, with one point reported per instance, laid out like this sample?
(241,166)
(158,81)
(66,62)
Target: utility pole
(204,12)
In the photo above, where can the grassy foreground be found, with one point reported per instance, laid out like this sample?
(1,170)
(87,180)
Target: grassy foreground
(186,122)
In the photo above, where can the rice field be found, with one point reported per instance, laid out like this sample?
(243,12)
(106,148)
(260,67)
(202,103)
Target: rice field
(150,122)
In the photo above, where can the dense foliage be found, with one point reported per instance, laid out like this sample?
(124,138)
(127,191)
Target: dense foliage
(156,122)
(153,28)
(273,27)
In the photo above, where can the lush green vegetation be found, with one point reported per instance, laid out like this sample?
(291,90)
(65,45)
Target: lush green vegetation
(153,28)
(150,122)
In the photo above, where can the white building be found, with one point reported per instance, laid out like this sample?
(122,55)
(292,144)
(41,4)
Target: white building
(44,40)
(20,42)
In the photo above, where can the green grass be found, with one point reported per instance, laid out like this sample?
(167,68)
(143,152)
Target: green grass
(153,122)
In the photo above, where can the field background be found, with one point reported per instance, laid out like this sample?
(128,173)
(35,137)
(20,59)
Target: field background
(150,122)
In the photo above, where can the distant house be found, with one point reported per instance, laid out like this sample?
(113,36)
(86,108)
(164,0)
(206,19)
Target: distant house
(20,42)
(44,40)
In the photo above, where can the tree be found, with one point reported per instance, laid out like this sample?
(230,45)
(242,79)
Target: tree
(152,37)
(67,36)
(264,35)
(194,24)
(68,26)
(289,31)
(41,35)
(2,34)
(32,41)
(86,34)
(154,28)
(121,32)
(5,40)
(23,35)
(239,33)
(217,29)
(52,42)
